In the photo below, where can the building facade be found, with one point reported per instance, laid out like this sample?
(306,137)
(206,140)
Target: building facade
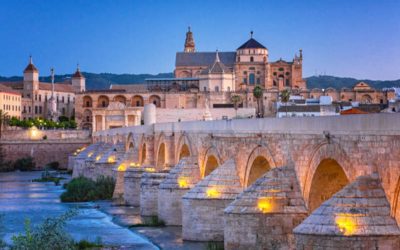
(35,95)
(10,102)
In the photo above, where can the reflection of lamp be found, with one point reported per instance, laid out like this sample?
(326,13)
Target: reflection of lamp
(346,223)
(133,164)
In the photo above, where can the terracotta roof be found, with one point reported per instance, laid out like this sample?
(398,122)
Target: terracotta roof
(78,74)
(353,111)
(13,85)
(9,90)
(129,87)
(252,44)
(58,87)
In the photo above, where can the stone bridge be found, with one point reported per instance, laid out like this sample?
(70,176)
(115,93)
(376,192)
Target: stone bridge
(312,182)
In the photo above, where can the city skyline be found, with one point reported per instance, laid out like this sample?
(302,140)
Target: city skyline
(346,39)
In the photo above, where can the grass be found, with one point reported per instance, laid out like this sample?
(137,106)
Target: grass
(153,221)
(214,245)
(84,244)
(56,180)
(82,189)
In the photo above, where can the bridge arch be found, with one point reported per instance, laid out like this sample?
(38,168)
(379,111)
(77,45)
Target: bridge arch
(211,161)
(183,149)
(259,162)
(129,141)
(162,152)
(329,170)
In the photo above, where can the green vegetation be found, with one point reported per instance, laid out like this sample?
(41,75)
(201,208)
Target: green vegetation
(258,93)
(214,245)
(24,164)
(63,123)
(83,189)
(48,177)
(51,235)
(236,100)
(152,221)
(84,244)
(3,119)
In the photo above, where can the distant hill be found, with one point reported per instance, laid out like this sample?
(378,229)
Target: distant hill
(324,82)
(103,80)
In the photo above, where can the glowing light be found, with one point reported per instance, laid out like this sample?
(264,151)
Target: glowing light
(98,157)
(264,204)
(111,159)
(213,192)
(122,167)
(135,165)
(90,154)
(150,170)
(34,133)
(182,182)
(346,223)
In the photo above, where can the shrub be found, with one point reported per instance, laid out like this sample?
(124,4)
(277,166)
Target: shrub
(211,245)
(84,189)
(47,236)
(25,164)
(53,165)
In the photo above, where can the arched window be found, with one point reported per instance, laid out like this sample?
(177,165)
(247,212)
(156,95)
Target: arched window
(251,79)
(251,59)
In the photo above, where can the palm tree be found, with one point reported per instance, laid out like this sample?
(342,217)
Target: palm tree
(257,93)
(285,96)
(3,119)
(236,100)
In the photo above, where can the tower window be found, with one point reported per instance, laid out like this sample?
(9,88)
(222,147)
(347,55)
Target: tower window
(251,59)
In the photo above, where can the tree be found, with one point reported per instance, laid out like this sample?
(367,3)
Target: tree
(3,119)
(285,96)
(258,93)
(236,100)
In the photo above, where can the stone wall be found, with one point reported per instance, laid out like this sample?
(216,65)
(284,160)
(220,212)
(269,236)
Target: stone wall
(12,134)
(43,152)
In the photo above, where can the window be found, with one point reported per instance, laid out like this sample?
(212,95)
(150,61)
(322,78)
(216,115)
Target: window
(36,110)
(238,59)
(281,69)
(274,83)
(35,97)
(381,101)
(29,109)
(229,89)
(138,104)
(251,79)
(216,89)
(103,104)
(258,81)
(45,98)
(40,109)
(245,80)
(40,98)
(57,99)
(87,104)
(244,72)
(205,89)
(63,111)
(350,100)
(251,59)
(287,82)
(62,99)
(87,118)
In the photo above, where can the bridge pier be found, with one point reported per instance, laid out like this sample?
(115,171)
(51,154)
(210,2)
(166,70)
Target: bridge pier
(264,215)
(132,178)
(357,217)
(179,181)
(203,206)
(149,184)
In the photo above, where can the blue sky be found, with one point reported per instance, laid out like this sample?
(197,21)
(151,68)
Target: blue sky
(344,38)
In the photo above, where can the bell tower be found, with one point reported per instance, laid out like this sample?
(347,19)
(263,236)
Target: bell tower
(189,42)
(78,81)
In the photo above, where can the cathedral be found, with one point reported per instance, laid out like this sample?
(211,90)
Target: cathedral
(246,67)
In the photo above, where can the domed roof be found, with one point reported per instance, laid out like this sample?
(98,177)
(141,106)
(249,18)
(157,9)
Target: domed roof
(78,73)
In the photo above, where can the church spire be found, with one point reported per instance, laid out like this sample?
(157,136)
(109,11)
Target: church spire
(189,42)
(217,56)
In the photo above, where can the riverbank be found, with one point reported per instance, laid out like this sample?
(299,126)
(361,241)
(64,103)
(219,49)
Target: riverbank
(22,199)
